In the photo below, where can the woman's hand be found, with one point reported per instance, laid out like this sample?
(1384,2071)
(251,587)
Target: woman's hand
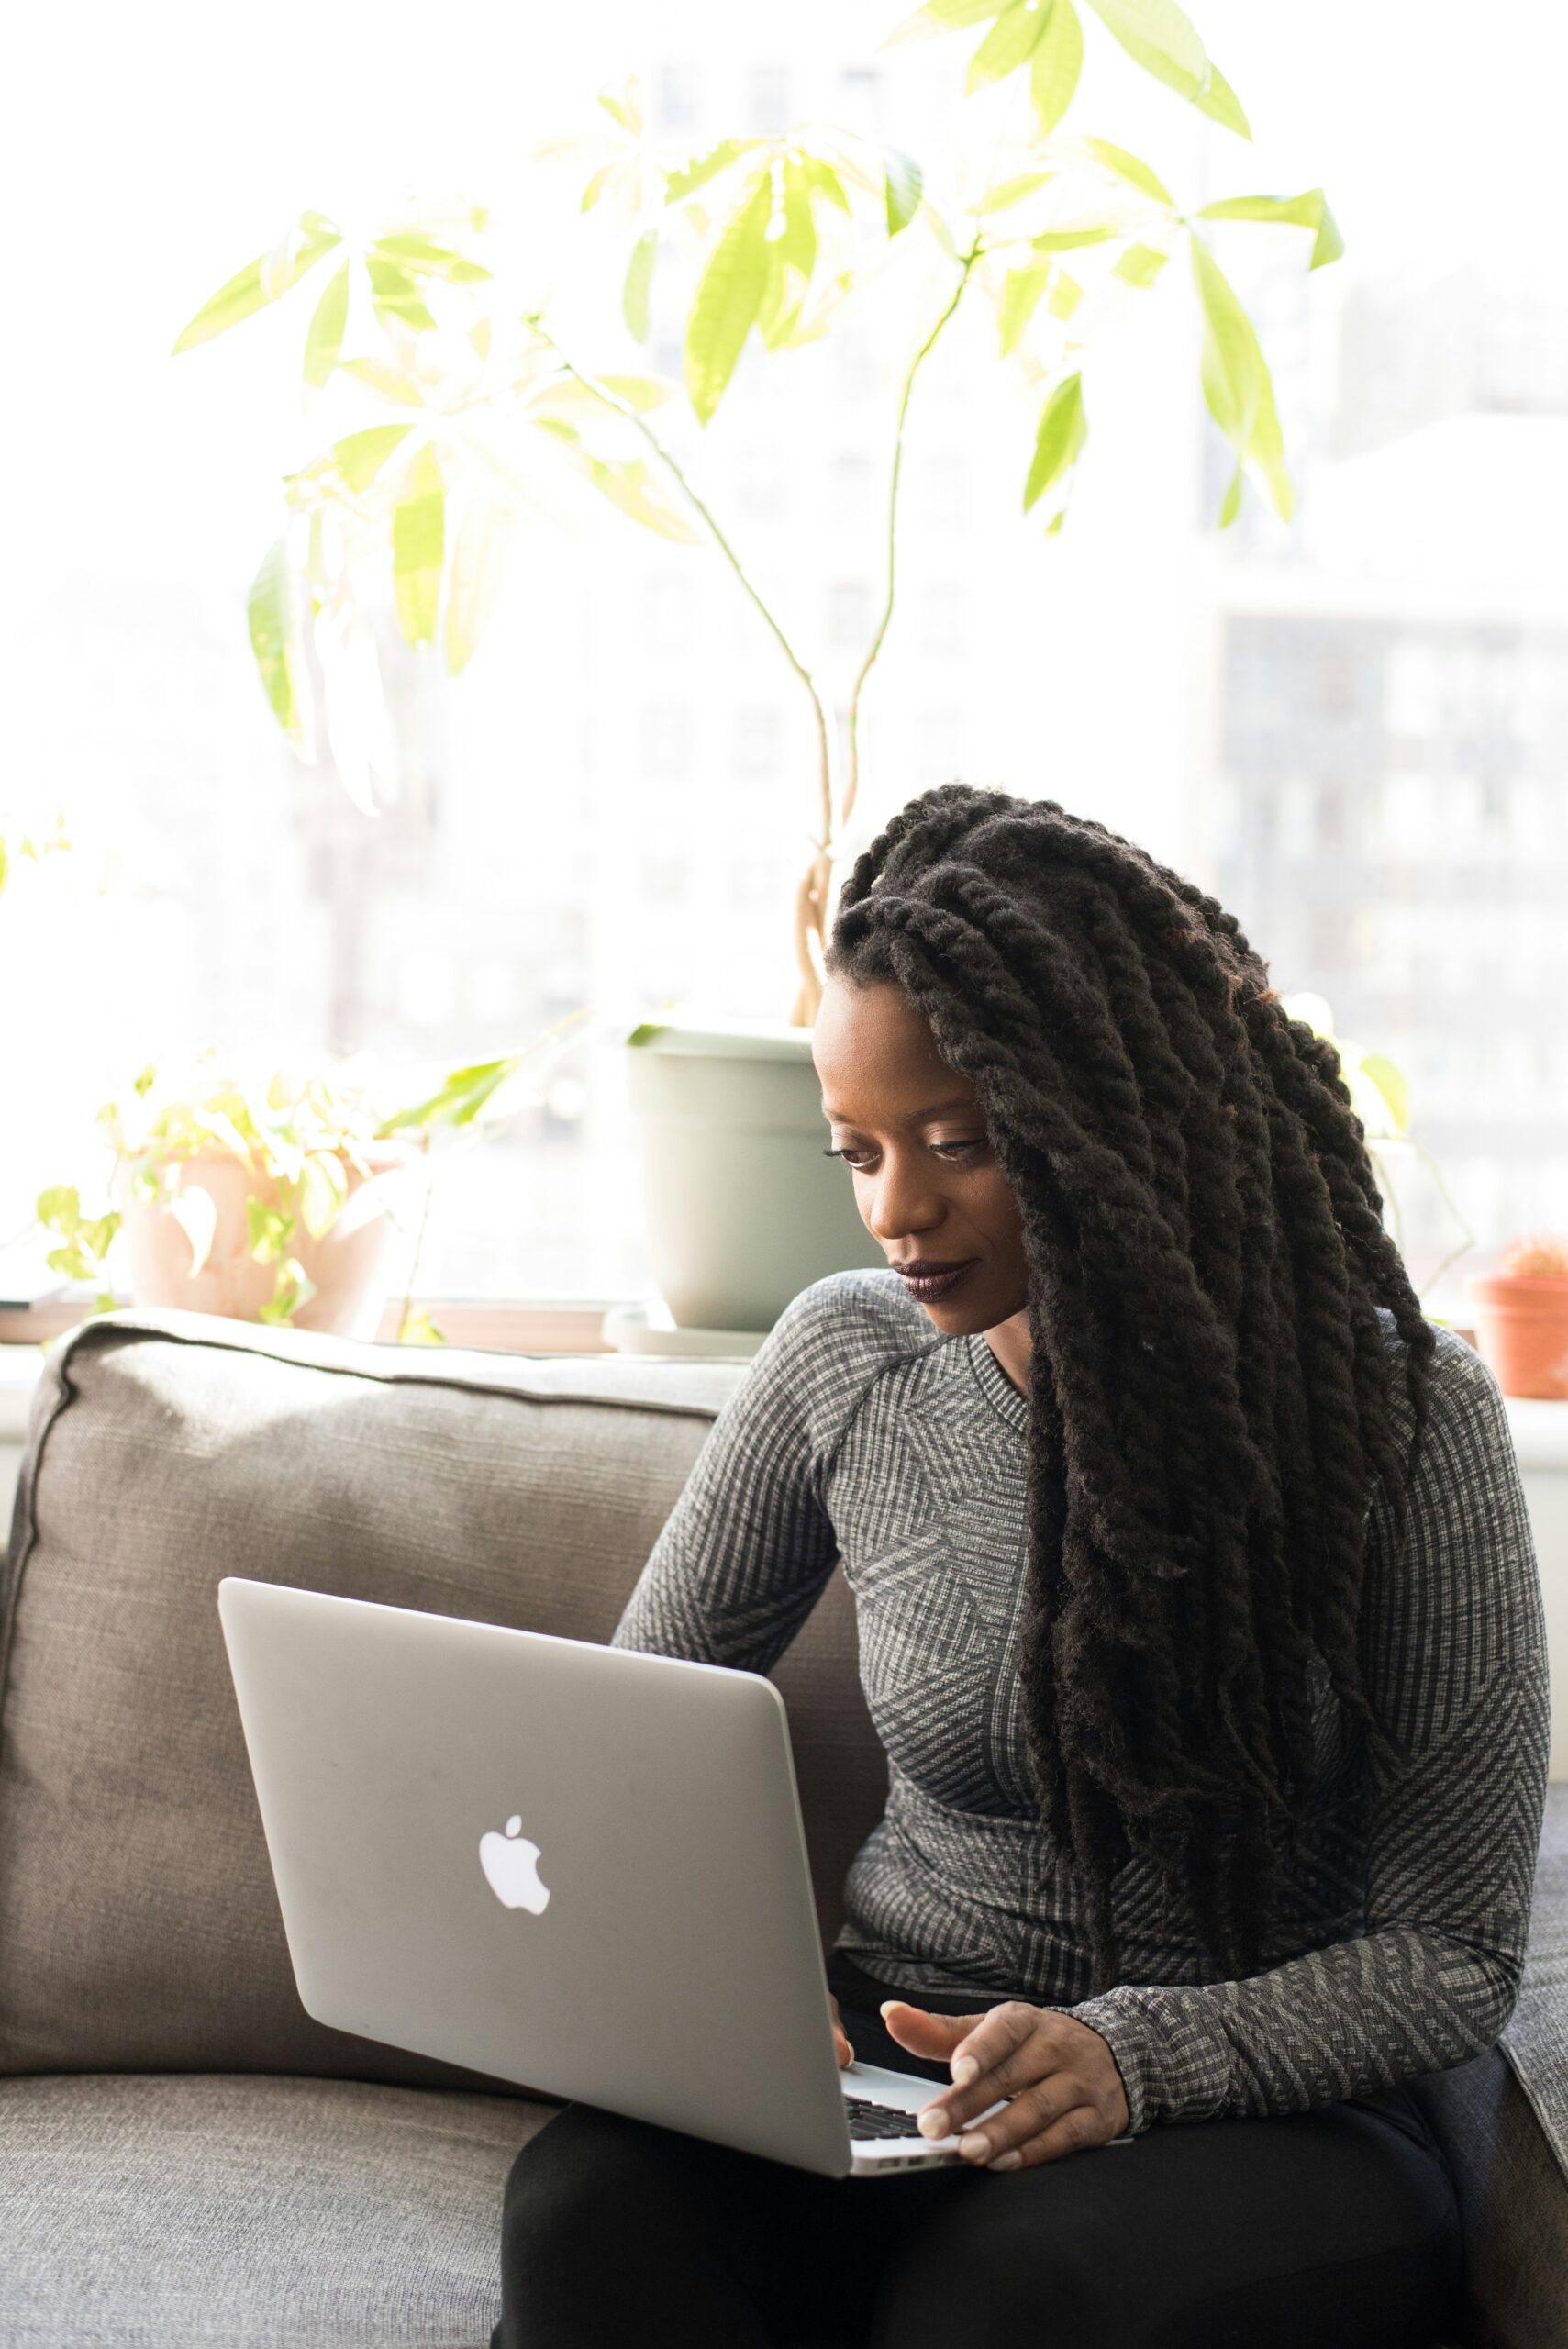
(846,2053)
(1065,2091)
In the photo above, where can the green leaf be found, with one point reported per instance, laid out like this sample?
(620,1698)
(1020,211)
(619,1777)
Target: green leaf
(1309,210)
(294,1288)
(902,182)
(703,168)
(1065,296)
(1067,240)
(418,548)
(277,640)
(323,1189)
(478,570)
(1220,102)
(269,1230)
(826,182)
(1157,36)
(1130,168)
(354,462)
(601,182)
(324,338)
(60,1209)
(637,292)
(1157,29)
(1020,297)
(423,257)
(640,391)
(639,495)
(1011,39)
(1062,432)
(416,1329)
(1394,1086)
(940,16)
(396,294)
(622,101)
(459,1099)
(1010,191)
(265,279)
(387,382)
(1140,264)
(1055,66)
(195,1211)
(797,246)
(727,300)
(1236,382)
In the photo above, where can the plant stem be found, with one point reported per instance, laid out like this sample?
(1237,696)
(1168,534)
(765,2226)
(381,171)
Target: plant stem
(852,782)
(408,1305)
(814,886)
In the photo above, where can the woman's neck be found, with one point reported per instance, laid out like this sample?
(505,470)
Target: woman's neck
(1009,1341)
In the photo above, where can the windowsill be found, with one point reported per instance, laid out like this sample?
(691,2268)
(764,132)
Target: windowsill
(487,1325)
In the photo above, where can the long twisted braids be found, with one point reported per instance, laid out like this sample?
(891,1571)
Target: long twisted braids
(1209,1389)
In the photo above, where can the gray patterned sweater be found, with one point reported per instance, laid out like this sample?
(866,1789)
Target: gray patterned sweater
(861,1432)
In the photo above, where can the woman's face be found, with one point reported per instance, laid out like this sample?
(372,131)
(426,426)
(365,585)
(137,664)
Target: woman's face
(909,1127)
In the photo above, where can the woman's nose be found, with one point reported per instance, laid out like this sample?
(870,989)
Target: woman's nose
(902,1200)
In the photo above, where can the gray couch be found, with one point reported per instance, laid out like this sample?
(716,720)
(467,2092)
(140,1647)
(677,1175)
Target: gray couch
(184,2156)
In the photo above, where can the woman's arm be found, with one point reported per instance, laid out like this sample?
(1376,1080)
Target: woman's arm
(746,1550)
(1455,1661)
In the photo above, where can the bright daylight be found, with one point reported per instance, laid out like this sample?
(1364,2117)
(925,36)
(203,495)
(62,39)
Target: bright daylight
(784,1178)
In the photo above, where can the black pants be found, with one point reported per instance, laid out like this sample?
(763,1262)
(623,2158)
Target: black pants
(1335,2229)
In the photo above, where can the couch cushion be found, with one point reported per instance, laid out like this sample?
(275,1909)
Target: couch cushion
(137,1910)
(1513,2201)
(297,2214)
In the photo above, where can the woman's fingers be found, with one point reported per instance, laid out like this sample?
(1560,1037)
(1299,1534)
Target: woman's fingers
(1075,2131)
(1006,2050)
(846,2054)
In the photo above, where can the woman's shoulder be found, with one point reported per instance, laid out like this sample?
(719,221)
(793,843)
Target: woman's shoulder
(863,1313)
(1465,1421)
(830,1349)
(1465,1570)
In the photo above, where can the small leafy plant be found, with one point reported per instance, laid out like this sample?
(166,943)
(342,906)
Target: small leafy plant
(299,1133)
(1541,1257)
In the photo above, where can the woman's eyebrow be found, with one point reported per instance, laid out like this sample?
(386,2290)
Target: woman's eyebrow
(913,1117)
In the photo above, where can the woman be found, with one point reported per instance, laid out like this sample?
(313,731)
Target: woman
(1198,1619)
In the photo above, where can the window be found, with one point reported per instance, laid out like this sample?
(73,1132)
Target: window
(608,806)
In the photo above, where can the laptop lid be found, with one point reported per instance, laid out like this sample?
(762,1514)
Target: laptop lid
(576,1867)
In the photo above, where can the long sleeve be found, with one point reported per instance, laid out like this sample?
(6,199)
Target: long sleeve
(744,1553)
(1453,1650)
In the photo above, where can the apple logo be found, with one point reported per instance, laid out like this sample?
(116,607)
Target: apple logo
(508,1861)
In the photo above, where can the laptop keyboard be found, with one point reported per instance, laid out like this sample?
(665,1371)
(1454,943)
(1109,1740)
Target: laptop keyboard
(868,2120)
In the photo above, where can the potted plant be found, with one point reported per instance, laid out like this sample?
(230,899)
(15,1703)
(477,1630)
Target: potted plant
(1521,1318)
(272,1198)
(1060,233)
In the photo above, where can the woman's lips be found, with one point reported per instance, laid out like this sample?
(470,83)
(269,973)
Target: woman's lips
(935,1285)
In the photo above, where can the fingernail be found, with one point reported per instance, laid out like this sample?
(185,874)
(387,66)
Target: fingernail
(932,2125)
(889,2002)
(965,2069)
(974,2145)
(1009,2160)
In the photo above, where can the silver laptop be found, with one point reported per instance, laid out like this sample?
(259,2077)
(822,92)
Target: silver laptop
(576,1867)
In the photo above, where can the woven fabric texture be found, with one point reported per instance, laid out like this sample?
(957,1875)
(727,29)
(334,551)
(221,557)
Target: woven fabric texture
(244,2213)
(139,1924)
(860,1432)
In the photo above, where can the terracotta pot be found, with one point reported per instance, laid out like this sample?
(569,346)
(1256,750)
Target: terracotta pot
(348,1264)
(1521,1332)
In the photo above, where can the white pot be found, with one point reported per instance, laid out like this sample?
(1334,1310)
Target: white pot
(743,1211)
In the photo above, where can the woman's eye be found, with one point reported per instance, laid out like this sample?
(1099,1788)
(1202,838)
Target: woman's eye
(956,1152)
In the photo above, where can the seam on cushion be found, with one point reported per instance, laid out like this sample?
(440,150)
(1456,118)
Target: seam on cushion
(25,1516)
(128,1333)
(97,1332)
